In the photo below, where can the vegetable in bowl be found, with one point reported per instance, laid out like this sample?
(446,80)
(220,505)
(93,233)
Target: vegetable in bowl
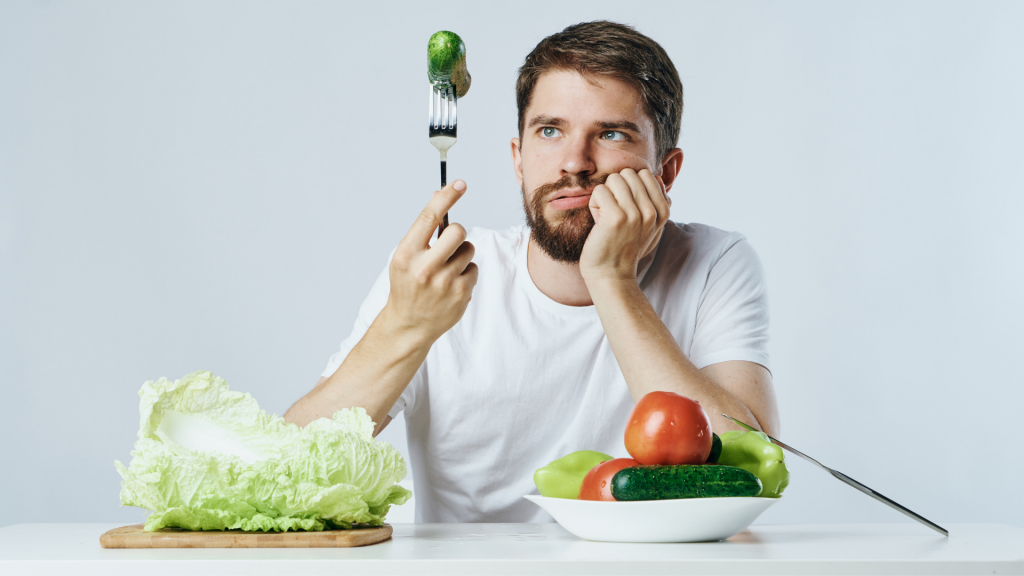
(564,477)
(208,458)
(675,455)
(755,453)
(683,481)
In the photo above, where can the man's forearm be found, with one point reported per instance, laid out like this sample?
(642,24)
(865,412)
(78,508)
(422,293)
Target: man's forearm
(429,291)
(650,358)
(373,375)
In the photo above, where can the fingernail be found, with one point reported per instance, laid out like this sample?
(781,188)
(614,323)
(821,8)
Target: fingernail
(459,185)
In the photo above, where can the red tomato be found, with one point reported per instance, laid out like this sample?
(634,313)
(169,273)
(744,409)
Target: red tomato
(666,428)
(597,484)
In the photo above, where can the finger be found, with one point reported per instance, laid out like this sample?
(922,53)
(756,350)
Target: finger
(664,190)
(468,279)
(442,250)
(430,218)
(641,195)
(623,195)
(461,258)
(656,189)
(603,204)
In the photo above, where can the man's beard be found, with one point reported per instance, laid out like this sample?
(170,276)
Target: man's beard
(564,239)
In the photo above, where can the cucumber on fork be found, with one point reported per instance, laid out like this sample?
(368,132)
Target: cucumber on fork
(449,80)
(446,62)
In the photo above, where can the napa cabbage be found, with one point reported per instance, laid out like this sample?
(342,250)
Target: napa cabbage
(208,458)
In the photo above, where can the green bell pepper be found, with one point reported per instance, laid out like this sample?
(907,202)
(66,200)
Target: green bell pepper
(563,477)
(755,453)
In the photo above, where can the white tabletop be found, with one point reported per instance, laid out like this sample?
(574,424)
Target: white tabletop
(538,549)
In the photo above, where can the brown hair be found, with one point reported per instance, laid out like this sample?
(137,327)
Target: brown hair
(609,49)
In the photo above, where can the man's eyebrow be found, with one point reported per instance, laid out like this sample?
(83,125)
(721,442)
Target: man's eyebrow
(546,120)
(618,125)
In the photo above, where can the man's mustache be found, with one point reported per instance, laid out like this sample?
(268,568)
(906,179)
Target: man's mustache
(585,182)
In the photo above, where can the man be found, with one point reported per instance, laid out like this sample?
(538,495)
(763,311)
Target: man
(599,300)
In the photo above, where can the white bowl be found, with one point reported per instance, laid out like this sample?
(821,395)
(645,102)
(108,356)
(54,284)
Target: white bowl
(683,520)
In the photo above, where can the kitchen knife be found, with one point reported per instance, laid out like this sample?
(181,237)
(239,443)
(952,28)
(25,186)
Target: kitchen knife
(843,477)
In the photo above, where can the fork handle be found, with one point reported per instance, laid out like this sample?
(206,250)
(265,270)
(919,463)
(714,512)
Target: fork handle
(444,182)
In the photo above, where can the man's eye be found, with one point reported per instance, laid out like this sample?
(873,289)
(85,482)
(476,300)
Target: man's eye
(549,132)
(614,135)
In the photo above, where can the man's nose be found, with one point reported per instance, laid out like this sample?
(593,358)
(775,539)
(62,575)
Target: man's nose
(578,157)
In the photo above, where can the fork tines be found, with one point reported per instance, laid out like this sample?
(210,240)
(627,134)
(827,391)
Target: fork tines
(443,117)
(443,112)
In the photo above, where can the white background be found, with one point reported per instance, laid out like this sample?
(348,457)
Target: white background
(196,185)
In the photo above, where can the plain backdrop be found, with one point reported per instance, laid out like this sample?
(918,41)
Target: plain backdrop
(216,185)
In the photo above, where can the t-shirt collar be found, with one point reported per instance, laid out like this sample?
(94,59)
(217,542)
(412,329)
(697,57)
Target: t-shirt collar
(526,281)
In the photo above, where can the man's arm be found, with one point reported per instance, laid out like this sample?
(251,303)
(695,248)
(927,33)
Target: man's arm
(651,360)
(630,210)
(384,423)
(430,289)
(373,376)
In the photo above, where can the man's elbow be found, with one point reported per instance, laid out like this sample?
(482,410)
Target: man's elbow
(289,418)
(769,423)
(294,416)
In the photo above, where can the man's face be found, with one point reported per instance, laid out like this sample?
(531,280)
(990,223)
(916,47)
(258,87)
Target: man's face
(576,132)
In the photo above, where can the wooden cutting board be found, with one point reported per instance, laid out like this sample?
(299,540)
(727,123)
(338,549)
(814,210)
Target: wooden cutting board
(135,537)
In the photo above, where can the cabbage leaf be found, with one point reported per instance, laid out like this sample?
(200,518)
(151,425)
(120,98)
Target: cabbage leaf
(208,458)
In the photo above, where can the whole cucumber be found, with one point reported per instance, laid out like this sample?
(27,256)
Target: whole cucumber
(683,481)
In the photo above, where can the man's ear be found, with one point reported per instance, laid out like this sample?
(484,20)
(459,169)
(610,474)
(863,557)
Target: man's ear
(670,167)
(517,160)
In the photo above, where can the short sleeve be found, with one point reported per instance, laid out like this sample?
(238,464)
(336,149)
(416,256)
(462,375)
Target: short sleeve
(368,312)
(732,320)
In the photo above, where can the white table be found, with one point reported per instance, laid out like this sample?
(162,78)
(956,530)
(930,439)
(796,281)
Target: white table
(538,549)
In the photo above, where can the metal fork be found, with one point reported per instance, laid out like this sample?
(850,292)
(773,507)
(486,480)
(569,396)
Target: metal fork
(443,117)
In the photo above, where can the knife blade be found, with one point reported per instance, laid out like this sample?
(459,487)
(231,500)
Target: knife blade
(850,481)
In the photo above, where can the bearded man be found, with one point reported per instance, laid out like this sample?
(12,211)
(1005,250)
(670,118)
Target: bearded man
(597,301)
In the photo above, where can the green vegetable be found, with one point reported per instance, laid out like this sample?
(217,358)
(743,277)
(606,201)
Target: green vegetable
(563,477)
(210,459)
(755,453)
(716,449)
(446,61)
(683,481)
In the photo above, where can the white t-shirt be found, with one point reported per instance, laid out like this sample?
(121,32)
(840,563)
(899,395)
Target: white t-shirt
(522,380)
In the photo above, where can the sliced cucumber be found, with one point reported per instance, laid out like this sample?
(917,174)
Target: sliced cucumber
(446,61)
